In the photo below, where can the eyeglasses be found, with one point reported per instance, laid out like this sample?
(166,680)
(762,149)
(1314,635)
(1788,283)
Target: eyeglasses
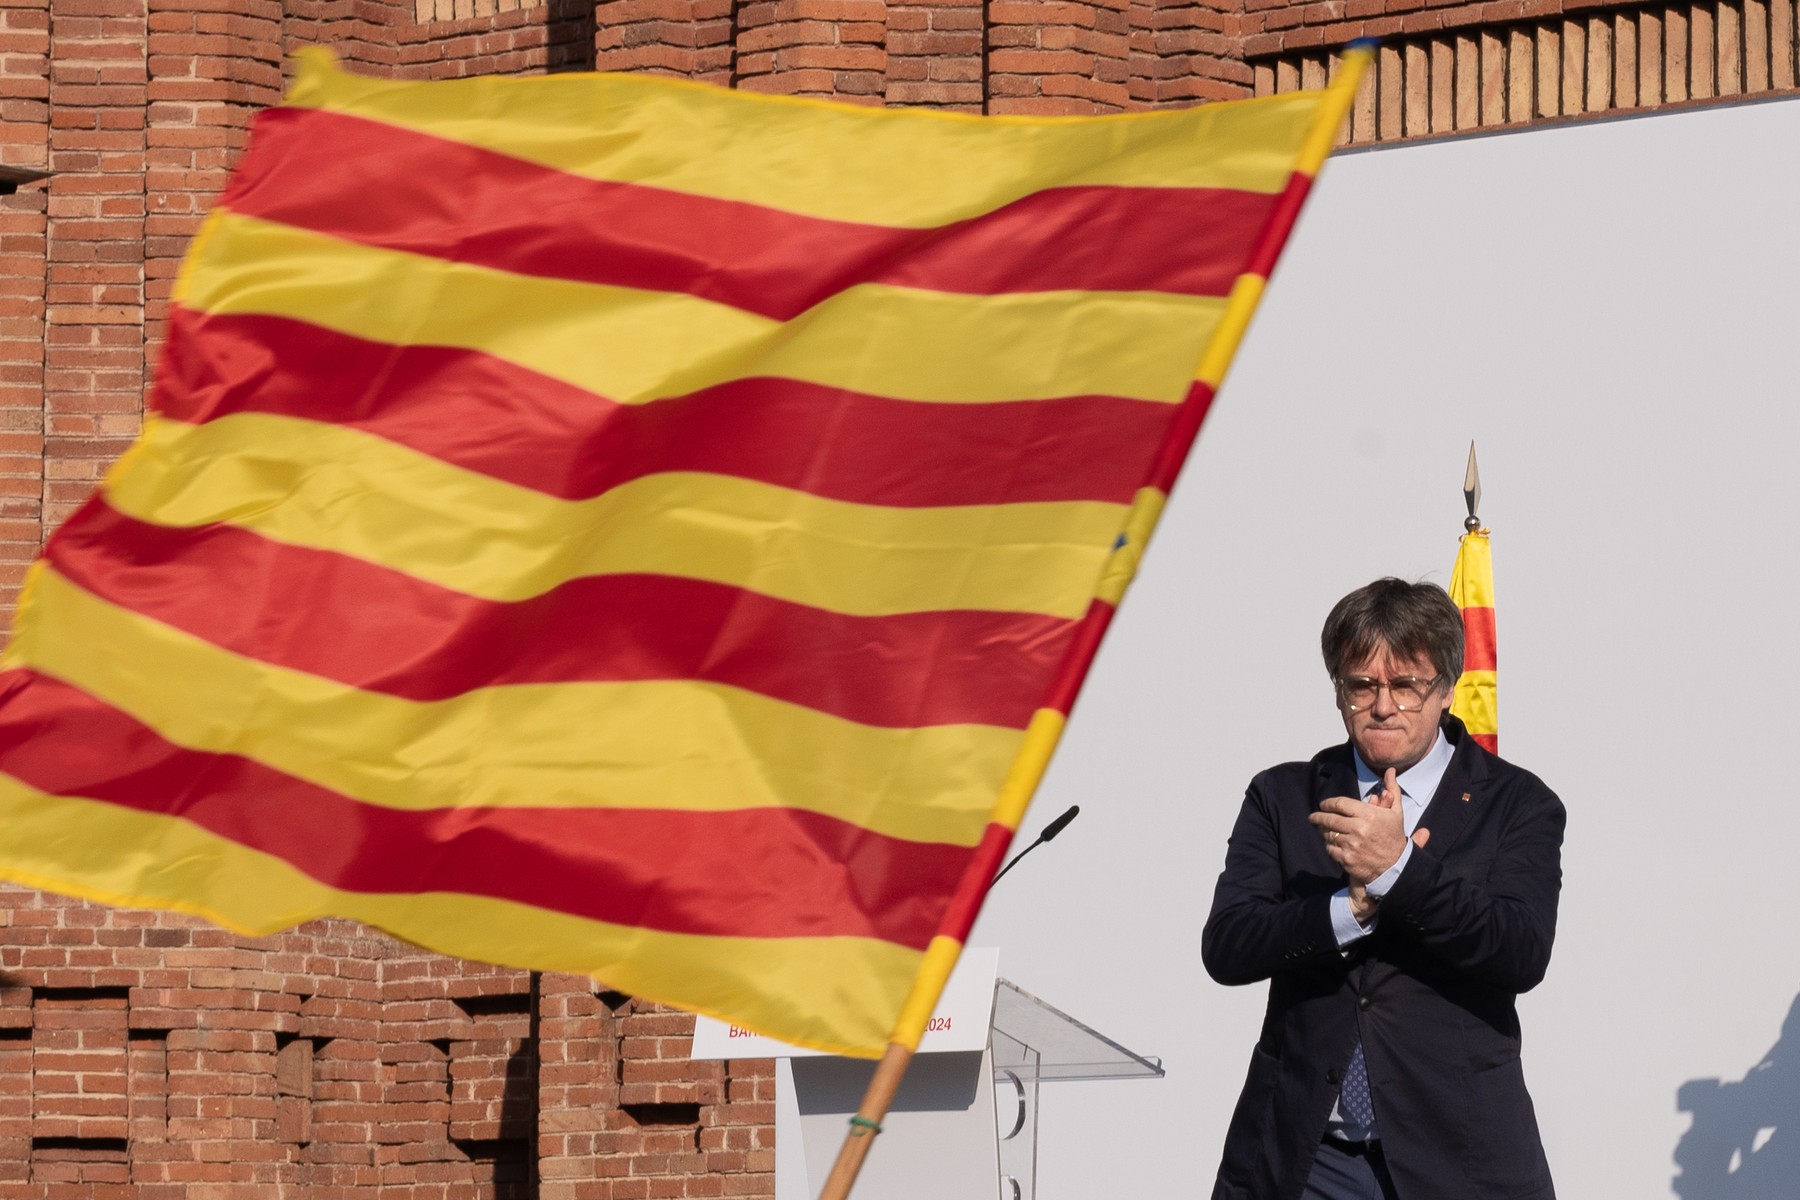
(1358,692)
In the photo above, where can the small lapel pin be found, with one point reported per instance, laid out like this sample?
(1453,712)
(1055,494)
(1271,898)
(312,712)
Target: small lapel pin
(1465,797)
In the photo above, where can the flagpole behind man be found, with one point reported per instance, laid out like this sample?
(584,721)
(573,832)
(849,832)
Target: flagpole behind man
(1397,892)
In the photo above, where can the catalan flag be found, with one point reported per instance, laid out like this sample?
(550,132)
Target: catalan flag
(1472,589)
(613,525)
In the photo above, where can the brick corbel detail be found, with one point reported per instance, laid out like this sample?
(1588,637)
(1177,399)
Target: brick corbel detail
(1273,27)
(814,48)
(936,55)
(364,34)
(686,38)
(1187,51)
(1067,57)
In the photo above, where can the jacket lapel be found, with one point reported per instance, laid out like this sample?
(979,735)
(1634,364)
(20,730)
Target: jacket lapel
(1334,774)
(1458,793)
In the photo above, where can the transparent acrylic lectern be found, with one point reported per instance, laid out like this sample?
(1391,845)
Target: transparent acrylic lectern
(964,1123)
(1032,1043)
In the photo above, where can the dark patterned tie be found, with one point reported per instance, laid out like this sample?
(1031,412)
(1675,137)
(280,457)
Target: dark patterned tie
(1354,1098)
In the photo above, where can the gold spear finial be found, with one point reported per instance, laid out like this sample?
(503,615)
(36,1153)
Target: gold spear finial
(1472,491)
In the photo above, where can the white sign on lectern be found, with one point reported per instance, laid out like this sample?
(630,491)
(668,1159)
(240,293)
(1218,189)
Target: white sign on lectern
(959,1022)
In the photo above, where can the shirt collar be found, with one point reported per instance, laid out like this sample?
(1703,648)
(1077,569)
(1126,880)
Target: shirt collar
(1418,782)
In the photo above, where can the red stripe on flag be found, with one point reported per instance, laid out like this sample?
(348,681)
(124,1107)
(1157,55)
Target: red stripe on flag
(965,906)
(1072,671)
(1180,437)
(512,424)
(1487,741)
(752,873)
(456,201)
(1479,652)
(899,671)
(1282,216)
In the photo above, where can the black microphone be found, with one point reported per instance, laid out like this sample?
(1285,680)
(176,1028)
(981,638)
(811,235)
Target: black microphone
(1061,823)
(1051,830)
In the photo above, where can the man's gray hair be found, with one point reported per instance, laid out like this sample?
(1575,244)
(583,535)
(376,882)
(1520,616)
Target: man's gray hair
(1413,620)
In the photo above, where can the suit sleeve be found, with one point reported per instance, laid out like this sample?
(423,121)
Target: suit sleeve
(1257,926)
(1500,929)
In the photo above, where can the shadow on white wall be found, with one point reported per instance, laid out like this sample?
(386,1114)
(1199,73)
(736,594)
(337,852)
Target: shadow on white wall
(1744,1143)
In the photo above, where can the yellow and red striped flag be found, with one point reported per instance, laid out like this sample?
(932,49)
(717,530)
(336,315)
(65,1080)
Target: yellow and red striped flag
(613,525)
(1472,589)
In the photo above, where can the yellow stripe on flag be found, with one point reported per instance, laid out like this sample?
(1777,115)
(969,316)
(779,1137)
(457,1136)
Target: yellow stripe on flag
(144,860)
(1234,322)
(1475,703)
(1472,578)
(635,346)
(1122,564)
(1028,768)
(841,161)
(675,745)
(294,481)
(934,972)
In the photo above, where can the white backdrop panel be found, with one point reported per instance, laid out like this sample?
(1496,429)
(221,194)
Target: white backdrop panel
(1610,311)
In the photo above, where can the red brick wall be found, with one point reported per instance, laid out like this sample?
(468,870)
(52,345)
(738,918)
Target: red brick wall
(95,250)
(689,38)
(937,55)
(1183,51)
(24,142)
(178,1060)
(1042,56)
(813,48)
(1060,58)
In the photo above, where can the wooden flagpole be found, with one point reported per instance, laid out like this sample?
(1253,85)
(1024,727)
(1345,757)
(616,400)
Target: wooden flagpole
(867,1122)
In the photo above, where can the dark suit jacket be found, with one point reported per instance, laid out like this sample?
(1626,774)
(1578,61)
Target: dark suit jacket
(1467,927)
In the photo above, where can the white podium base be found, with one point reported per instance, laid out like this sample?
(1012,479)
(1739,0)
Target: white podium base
(938,1140)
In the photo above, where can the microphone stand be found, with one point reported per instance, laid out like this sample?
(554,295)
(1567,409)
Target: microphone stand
(1050,831)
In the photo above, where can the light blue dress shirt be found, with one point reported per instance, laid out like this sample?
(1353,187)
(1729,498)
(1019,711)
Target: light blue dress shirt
(1418,783)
